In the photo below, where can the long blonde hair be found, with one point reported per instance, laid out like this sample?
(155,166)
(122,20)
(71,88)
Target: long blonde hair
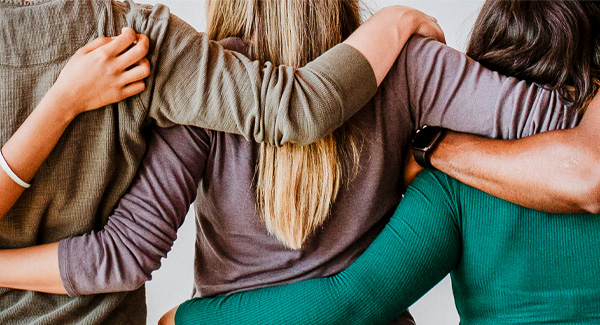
(295,185)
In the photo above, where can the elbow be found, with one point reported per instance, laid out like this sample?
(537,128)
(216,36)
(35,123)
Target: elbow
(138,280)
(577,182)
(133,279)
(593,208)
(586,159)
(133,271)
(590,199)
(588,194)
(305,136)
(305,129)
(313,133)
(127,286)
(308,140)
(141,274)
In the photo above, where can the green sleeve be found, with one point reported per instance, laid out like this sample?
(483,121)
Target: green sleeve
(195,81)
(419,246)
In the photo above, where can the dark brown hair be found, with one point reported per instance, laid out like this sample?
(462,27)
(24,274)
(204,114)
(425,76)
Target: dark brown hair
(555,43)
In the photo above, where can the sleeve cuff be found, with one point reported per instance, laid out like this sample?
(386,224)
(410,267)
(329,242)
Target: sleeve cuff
(351,72)
(63,265)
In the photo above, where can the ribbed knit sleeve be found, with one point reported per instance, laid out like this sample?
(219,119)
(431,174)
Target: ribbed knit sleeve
(195,81)
(420,245)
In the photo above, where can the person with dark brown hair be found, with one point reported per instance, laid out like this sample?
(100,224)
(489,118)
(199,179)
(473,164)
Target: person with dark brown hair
(556,44)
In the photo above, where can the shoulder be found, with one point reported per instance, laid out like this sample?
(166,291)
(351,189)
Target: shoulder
(181,138)
(421,60)
(235,44)
(422,56)
(152,20)
(438,188)
(137,11)
(427,47)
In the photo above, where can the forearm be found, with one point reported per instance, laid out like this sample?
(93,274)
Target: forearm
(556,171)
(29,147)
(381,38)
(32,268)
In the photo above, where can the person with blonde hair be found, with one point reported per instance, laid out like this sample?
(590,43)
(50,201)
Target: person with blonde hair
(274,215)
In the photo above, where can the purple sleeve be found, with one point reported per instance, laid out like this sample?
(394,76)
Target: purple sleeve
(144,225)
(444,87)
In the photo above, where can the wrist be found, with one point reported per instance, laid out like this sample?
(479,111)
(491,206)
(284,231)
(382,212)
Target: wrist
(405,23)
(440,152)
(409,23)
(401,23)
(456,151)
(61,106)
(424,143)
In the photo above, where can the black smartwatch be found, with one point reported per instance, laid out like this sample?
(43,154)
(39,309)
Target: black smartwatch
(424,142)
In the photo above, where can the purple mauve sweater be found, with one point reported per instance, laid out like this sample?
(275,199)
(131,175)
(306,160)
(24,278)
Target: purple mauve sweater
(430,84)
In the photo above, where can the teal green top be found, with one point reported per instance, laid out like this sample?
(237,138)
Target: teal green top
(508,264)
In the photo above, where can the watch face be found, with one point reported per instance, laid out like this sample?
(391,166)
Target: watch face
(426,137)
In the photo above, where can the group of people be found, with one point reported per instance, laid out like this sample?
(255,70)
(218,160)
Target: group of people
(294,142)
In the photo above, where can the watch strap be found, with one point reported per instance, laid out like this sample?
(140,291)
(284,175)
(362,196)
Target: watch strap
(424,142)
(421,157)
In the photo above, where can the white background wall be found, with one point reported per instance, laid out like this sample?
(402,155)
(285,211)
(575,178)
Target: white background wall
(172,283)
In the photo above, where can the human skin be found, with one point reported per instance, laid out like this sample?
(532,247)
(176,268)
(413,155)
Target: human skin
(557,171)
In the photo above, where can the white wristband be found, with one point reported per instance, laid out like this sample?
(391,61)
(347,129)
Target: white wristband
(10,173)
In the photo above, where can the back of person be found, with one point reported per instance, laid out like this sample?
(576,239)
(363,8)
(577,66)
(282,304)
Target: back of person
(520,265)
(524,266)
(237,248)
(235,251)
(92,165)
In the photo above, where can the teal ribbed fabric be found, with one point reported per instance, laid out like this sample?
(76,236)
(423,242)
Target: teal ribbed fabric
(509,265)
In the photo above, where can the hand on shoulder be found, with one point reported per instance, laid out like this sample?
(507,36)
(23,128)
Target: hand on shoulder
(105,71)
